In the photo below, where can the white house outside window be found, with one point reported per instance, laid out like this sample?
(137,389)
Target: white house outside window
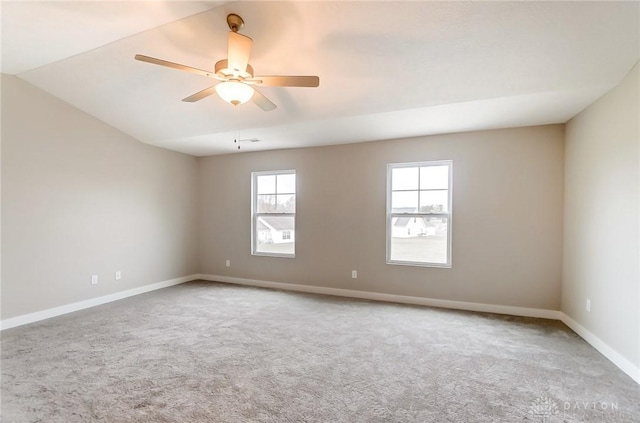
(419,213)
(273,200)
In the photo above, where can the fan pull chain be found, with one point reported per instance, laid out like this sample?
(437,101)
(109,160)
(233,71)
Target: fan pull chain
(237,139)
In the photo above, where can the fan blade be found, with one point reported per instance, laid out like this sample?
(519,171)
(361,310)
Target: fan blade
(263,102)
(200,95)
(285,81)
(238,51)
(177,66)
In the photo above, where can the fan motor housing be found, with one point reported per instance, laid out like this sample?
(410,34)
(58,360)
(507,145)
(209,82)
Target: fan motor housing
(222,70)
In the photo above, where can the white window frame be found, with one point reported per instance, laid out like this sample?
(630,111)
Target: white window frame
(255,214)
(448,214)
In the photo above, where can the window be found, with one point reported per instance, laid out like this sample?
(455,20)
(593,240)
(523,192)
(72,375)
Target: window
(273,213)
(419,213)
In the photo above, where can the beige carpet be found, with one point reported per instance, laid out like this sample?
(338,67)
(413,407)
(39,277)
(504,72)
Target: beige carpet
(205,352)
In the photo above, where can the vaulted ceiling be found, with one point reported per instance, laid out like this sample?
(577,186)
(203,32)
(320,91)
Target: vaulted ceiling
(387,69)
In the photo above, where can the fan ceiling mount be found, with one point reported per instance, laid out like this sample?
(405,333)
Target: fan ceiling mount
(235,22)
(237,80)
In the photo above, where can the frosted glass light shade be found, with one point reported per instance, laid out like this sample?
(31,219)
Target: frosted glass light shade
(234,92)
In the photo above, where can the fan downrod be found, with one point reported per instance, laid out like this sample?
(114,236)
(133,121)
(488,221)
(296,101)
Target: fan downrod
(235,22)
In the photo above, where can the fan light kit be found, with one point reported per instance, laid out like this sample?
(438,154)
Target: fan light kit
(235,92)
(237,80)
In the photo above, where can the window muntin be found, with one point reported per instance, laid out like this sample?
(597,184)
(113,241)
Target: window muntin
(273,213)
(419,213)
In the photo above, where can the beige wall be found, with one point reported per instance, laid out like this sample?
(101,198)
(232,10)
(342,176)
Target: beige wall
(81,198)
(507,219)
(601,231)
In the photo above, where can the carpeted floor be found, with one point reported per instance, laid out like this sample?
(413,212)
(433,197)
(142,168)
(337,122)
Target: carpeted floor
(207,352)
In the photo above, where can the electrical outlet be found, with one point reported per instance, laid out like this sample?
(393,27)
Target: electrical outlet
(228,263)
(94,279)
(354,274)
(118,275)
(588,306)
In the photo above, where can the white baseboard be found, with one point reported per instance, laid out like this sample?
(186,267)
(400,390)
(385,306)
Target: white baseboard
(376,296)
(623,364)
(81,305)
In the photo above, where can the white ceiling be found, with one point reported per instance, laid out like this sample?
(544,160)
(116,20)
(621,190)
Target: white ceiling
(387,69)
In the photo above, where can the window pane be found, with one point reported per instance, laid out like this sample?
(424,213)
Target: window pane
(286,184)
(404,178)
(434,201)
(421,240)
(404,202)
(266,204)
(286,203)
(434,177)
(267,184)
(275,234)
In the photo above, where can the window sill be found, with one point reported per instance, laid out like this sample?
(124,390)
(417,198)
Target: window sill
(419,264)
(274,255)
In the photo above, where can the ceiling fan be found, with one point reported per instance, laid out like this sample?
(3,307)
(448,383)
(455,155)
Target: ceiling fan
(235,74)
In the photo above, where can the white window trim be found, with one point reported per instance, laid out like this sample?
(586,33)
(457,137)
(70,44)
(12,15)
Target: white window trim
(448,215)
(255,214)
